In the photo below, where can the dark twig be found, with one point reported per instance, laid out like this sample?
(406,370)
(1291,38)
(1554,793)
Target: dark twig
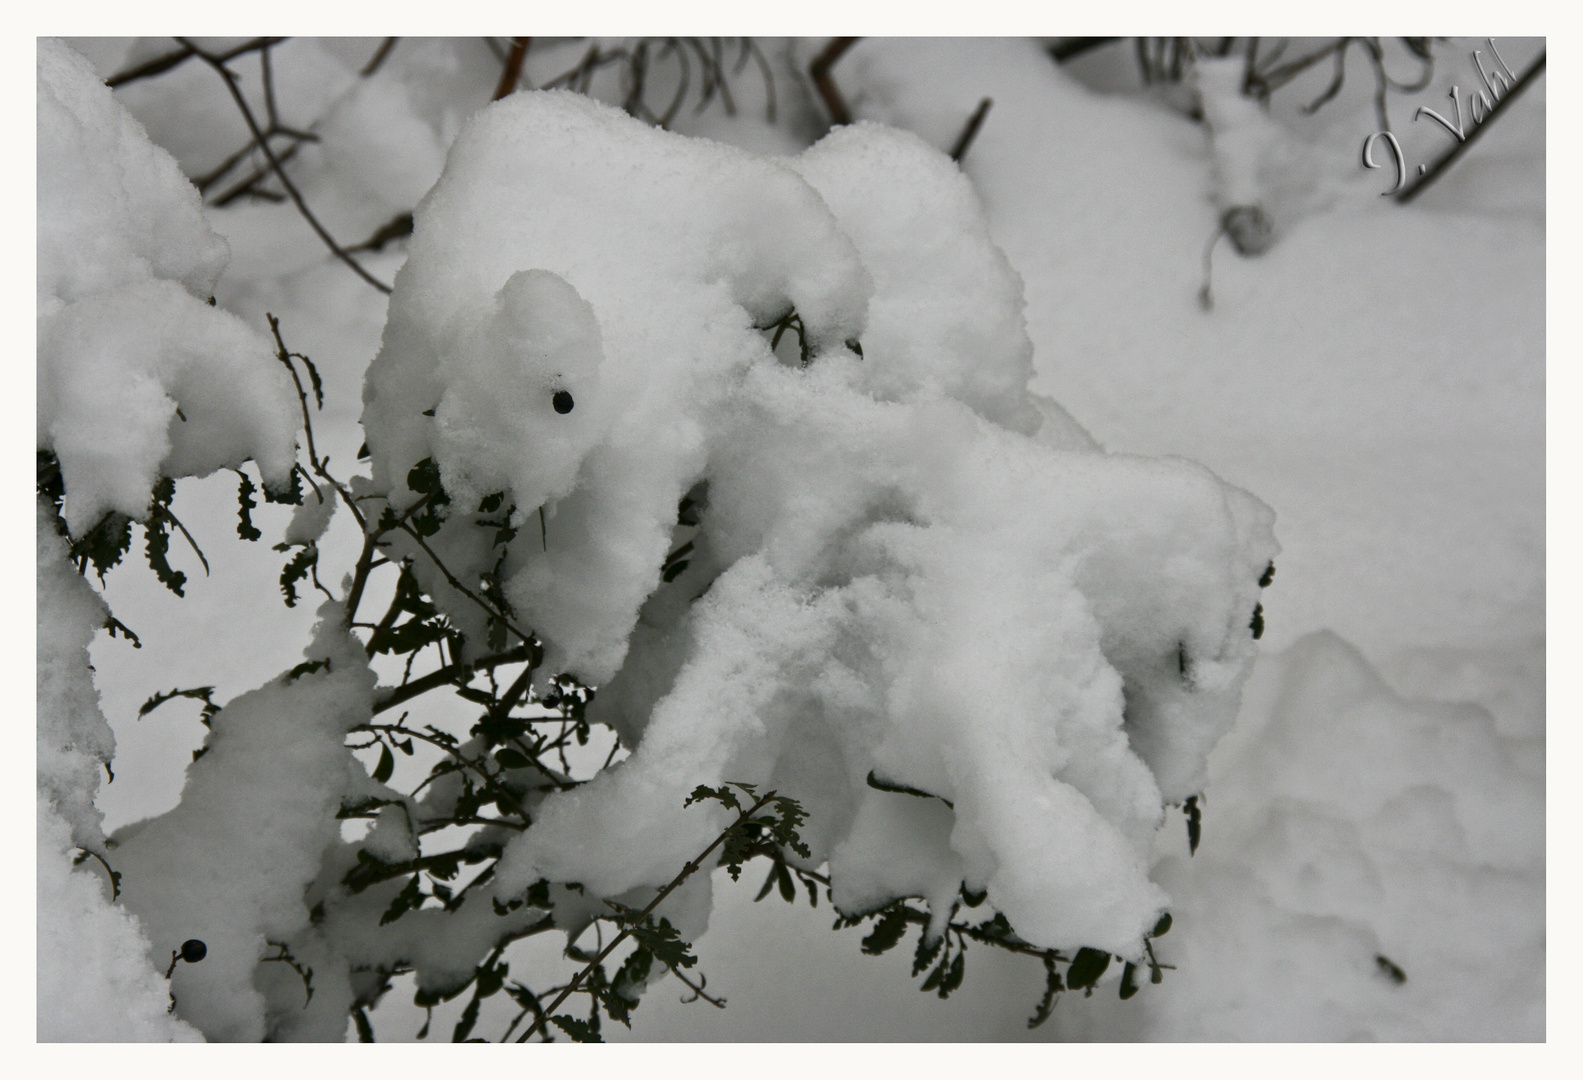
(377,59)
(819,71)
(1071,48)
(511,72)
(1460,148)
(394,229)
(974,122)
(637,920)
(229,79)
(161,64)
(527,638)
(445,676)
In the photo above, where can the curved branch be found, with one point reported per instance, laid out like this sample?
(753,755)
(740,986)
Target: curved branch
(229,78)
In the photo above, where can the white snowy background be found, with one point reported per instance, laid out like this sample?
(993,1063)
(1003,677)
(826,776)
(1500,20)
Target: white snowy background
(1377,377)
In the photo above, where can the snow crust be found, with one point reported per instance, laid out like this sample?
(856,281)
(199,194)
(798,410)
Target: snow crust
(891,578)
(137,376)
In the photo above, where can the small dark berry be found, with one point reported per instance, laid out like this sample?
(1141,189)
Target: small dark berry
(193,950)
(562,401)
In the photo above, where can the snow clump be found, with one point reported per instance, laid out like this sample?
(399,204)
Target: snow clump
(138,376)
(852,564)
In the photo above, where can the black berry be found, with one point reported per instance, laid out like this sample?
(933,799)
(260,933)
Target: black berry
(562,401)
(193,950)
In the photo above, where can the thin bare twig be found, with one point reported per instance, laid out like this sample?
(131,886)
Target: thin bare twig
(229,78)
(1445,162)
(379,56)
(819,71)
(161,64)
(511,73)
(974,122)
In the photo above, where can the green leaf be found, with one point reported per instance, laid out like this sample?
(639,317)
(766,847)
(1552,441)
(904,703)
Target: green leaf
(1052,987)
(924,955)
(1087,967)
(1129,981)
(953,977)
(512,759)
(676,562)
(245,507)
(1194,824)
(663,940)
(902,789)
(491,979)
(290,495)
(410,636)
(769,883)
(723,795)
(197,693)
(307,667)
(1267,577)
(295,570)
(156,546)
(408,898)
(105,543)
(1162,927)
(387,765)
(1390,970)
(464,1025)
(580,1030)
(887,931)
(788,890)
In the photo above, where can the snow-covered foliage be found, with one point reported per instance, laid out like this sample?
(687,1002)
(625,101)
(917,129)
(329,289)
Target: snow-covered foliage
(888,581)
(725,455)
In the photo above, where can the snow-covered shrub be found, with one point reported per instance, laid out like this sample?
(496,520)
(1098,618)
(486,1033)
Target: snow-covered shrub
(732,455)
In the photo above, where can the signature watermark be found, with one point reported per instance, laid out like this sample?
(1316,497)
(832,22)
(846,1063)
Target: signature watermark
(1498,81)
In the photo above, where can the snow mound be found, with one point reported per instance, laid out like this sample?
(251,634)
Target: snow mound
(882,579)
(137,376)
(1372,868)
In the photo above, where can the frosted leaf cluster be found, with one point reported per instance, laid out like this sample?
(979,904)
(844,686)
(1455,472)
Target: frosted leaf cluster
(896,567)
(138,376)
